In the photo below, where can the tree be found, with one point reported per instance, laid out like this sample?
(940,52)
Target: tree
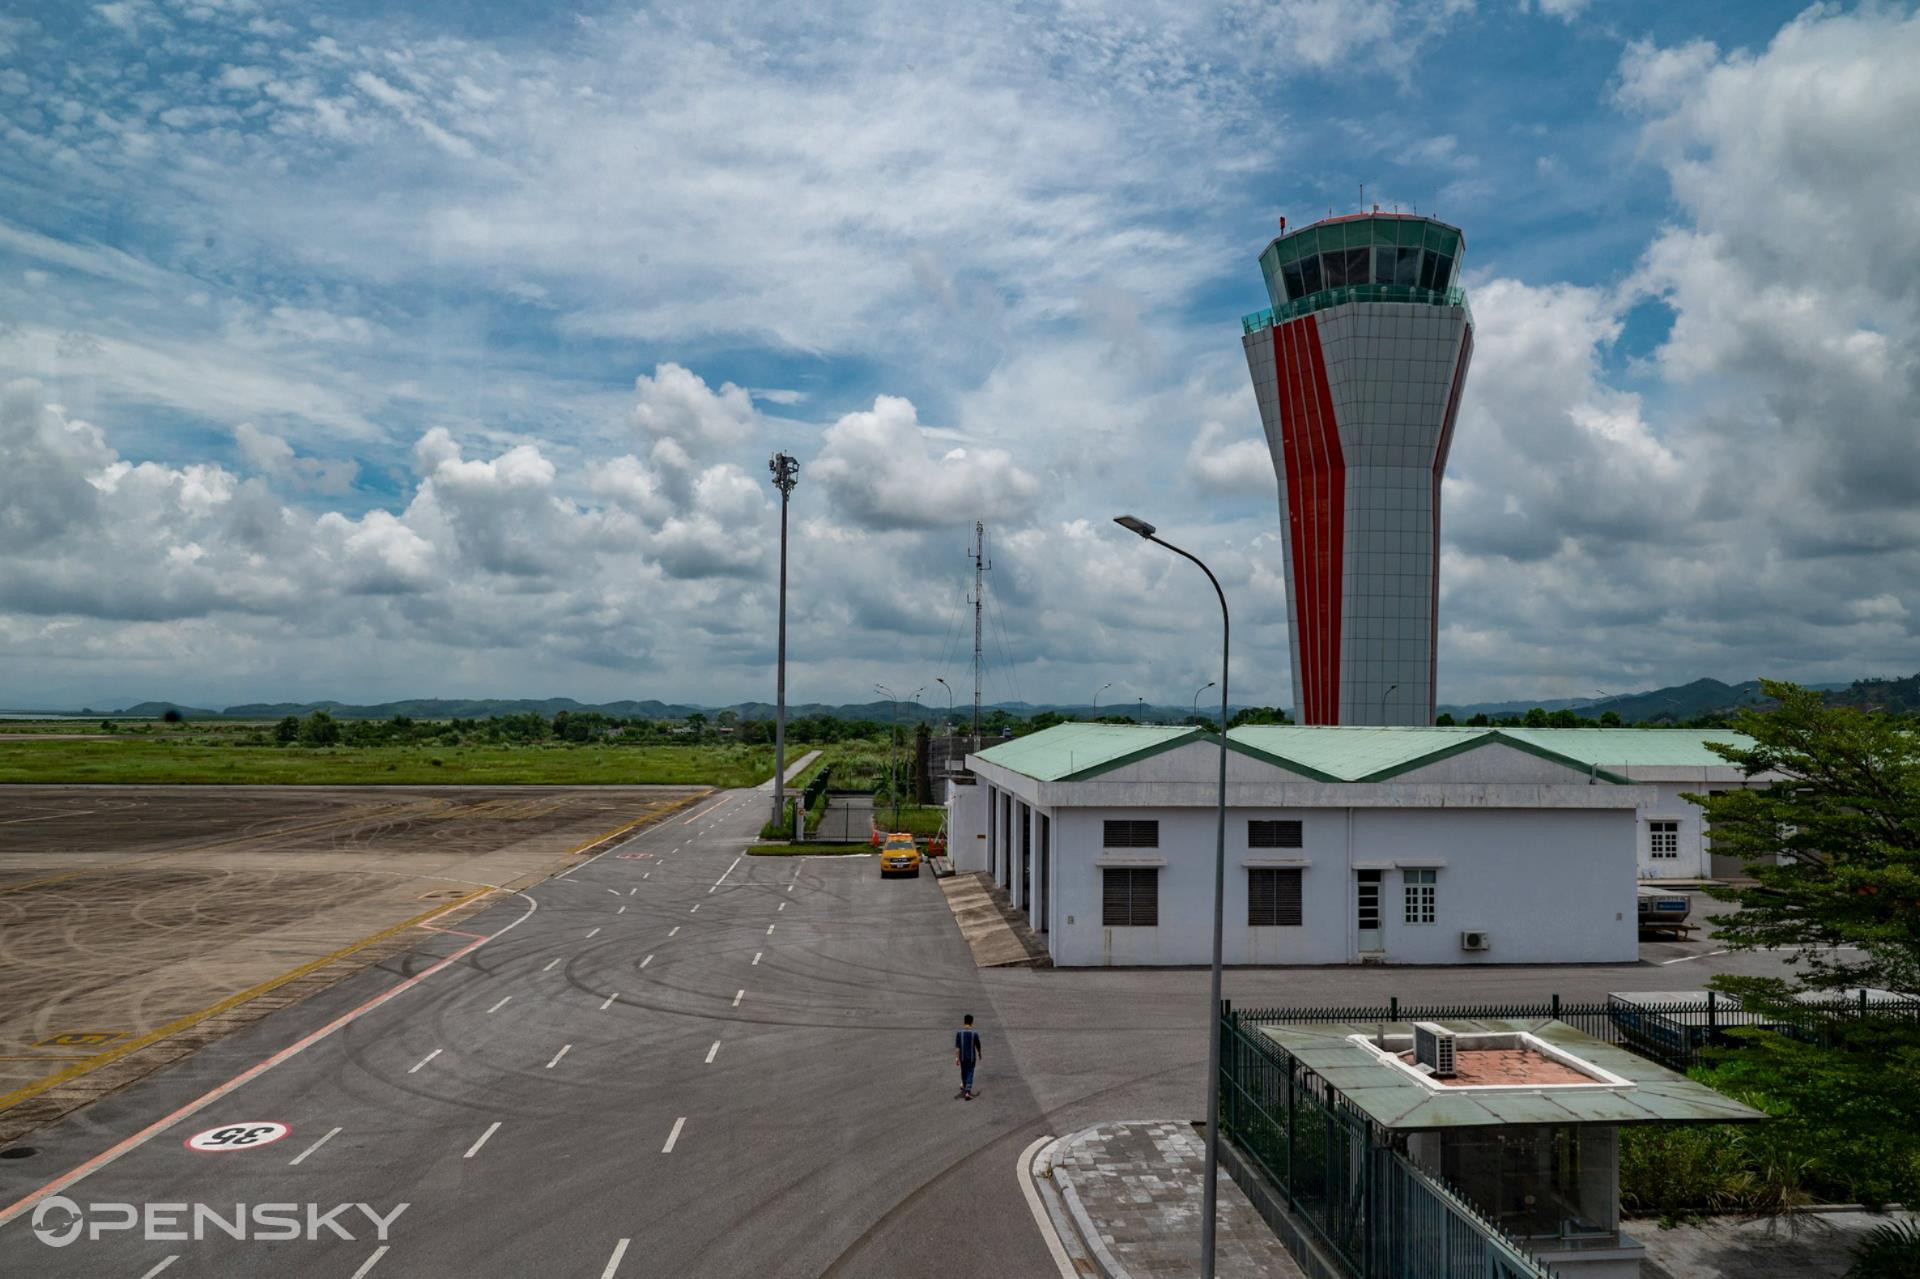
(1609,719)
(1259,715)
(697,722)
(1480,721)
(287,731)
(171,716)
(321,729)
(1834,849)
(1443,720)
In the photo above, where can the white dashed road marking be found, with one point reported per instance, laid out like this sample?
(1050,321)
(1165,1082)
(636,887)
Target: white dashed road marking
(474,1149)
(557,1056)
(592,932)
(497,1007)
(711,1051)
(613,1262)
(162,1266)
(646,961)
(366,1267)
(295,1161)
(423,1061)
(674,929)
(610,998)
(550,964)
(769,930)
(756,956)
(738,995)
(674,1136)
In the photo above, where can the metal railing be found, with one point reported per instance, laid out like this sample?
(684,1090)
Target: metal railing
(1675,1033)
(1376,1213)
(1351,293)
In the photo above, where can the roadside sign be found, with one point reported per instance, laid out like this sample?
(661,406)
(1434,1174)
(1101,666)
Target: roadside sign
(243,1136)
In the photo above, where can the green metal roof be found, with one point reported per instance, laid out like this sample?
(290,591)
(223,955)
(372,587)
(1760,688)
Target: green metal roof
(1633,747)
(1079,750)
(1355,754)
(1393,1100)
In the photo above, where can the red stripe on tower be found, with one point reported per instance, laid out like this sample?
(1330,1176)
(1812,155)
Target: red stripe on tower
(1316,478)
(1440,451)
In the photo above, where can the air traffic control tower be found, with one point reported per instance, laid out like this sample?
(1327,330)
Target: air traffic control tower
(1358,366)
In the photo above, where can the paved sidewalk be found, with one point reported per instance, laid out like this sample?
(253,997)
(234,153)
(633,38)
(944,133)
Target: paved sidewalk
(1812,1245)
(996,932)
(1132,1193)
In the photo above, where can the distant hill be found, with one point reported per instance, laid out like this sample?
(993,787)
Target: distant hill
(1900,696)
(1702,697)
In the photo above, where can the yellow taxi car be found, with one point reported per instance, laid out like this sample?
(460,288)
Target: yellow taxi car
(899,855)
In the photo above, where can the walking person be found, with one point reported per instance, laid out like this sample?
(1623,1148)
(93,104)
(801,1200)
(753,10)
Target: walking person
(966,1055)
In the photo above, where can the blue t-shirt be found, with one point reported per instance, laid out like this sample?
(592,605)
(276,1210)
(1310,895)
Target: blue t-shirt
(967,1044)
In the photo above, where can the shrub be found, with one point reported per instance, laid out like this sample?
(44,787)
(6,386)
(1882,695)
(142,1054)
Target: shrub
(1890,1251)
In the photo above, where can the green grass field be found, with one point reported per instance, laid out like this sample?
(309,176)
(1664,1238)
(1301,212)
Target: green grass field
(157,760)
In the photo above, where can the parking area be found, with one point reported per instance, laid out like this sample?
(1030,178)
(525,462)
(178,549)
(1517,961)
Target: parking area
(139,922)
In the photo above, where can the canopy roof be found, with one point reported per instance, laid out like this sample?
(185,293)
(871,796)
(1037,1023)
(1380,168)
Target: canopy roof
(1393,1099)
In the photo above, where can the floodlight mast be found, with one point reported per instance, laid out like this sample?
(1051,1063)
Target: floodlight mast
(785,470)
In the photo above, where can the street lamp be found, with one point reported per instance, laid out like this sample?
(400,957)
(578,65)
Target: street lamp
(943,684)
(1196,697)
(786,473)
(1210,1204)
(1096,698)
(1383,701)
(893,748)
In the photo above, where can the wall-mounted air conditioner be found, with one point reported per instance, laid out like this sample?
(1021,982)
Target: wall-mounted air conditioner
(1474,939)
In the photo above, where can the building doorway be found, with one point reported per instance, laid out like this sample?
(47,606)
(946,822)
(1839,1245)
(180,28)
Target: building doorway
(1368,938)
(1026,861)
(1046,872)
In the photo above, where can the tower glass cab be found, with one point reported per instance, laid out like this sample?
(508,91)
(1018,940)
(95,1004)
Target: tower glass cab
(1358,367)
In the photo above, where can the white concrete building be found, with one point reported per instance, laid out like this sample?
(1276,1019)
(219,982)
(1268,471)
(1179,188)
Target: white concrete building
(1344,845)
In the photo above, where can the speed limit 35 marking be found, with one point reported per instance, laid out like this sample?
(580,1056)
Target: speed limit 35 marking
(231,1137)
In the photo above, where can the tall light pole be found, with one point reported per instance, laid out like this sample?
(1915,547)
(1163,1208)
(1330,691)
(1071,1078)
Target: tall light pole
(786,473)
(1196,697)
(1383,701)
(1096,698)
(893,748)
(943,684)
(1210,1201)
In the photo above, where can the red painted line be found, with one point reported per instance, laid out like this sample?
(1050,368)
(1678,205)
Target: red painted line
(1440,452)
(1333,528)
(245,1077)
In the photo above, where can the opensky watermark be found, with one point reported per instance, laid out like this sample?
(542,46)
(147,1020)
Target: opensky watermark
(59,1221)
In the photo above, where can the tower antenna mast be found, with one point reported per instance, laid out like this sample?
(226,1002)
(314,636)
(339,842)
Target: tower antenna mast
(980,566)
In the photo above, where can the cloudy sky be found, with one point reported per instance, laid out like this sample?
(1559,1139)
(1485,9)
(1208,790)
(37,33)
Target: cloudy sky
(354,353)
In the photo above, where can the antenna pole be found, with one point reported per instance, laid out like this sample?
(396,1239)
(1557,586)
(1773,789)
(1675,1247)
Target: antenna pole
(980,567)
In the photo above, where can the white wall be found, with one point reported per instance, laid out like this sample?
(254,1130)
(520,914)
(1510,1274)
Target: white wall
(1548,886)
(967,826)
(1695,860)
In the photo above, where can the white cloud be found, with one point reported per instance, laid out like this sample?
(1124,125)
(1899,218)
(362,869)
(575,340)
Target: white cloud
(883,472)
(1223,460)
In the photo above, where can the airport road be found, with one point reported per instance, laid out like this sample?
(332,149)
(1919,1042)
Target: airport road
(737,1066)
(677,1060)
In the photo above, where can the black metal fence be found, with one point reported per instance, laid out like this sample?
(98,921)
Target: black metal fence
(1375,1212)
(1673,1032)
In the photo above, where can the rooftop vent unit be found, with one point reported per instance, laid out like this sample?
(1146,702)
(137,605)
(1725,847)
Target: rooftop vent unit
(1433,1049)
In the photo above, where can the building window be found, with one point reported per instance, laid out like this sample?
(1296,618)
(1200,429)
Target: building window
(1128,833)
(1420,886)
(1130,897)
(1663,838)
(1273,834)
(1273,896)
